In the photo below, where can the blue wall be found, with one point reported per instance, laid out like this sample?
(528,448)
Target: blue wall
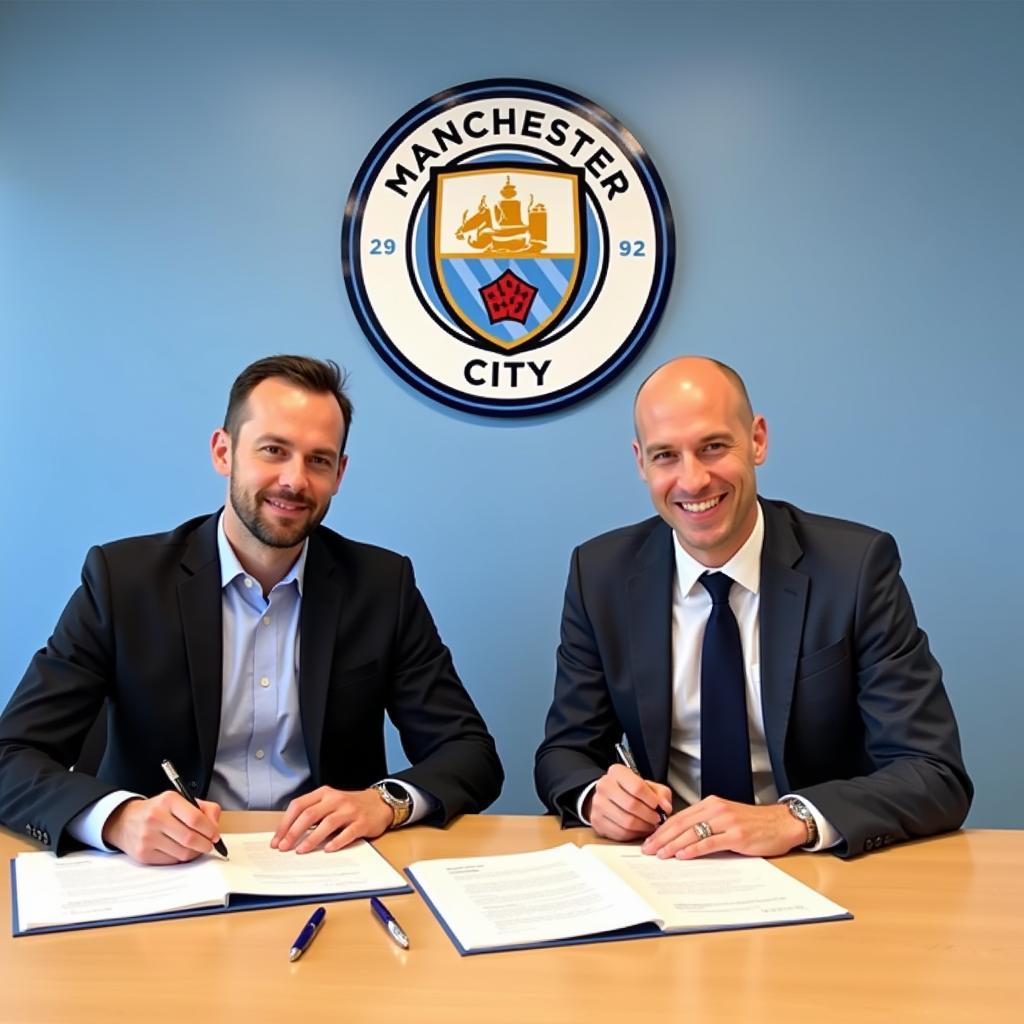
(847,182)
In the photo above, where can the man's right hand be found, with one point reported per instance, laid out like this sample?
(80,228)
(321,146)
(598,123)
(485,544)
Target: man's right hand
(165,829)
(623,806)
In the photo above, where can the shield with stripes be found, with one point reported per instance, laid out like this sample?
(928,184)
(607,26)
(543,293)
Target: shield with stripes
(508,244)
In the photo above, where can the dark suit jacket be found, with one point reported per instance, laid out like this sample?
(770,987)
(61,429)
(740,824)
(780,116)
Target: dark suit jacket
(856,717)
(143,634)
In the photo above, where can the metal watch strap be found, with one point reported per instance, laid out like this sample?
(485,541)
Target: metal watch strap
(400,809)
(800,810)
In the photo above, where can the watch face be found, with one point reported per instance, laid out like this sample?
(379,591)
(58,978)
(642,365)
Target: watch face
(397,792)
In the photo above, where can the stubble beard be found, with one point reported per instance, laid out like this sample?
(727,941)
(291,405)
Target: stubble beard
(248,510)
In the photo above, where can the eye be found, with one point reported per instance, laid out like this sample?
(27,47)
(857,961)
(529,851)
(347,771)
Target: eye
(714,447)
(321,461)
(663,456)
(271,449)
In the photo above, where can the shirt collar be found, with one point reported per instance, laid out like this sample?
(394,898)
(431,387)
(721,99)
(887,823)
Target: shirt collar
(231,568)
(744,567)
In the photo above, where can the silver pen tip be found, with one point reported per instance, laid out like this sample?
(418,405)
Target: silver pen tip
(294,954)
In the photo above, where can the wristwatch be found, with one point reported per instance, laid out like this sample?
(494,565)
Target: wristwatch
(800,810)
(398,799)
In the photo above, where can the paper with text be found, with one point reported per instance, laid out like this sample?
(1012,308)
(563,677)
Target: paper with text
(92,886)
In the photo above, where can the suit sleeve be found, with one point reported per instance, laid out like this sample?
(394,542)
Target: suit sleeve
(581,728)
(50,713)
(453,756)
(917,785)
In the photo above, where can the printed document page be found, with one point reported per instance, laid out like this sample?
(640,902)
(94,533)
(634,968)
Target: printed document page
(93,886)
(721,891)
(527,898)
(257,870)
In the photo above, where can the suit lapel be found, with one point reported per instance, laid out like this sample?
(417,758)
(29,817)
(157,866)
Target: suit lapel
(318,628)
(783,604)
(199,600)
(649,614)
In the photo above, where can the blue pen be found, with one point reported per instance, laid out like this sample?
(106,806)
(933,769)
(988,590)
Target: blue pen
(306,935)
(391,926)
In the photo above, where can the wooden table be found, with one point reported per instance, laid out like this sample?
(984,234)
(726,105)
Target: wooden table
(938,936)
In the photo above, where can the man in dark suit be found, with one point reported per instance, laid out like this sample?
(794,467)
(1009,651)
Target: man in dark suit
(255,649)
(764,664)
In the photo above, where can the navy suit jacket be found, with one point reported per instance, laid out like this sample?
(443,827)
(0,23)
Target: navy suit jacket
(142,635)
(855,713)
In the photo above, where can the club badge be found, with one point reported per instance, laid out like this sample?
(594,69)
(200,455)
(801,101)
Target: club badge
(507,247)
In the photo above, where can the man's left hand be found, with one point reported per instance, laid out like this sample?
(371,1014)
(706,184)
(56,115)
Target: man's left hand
(758,831)
(336,817)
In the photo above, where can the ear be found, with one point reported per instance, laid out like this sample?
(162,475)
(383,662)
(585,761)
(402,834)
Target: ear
(639,456)
(759,438)
(220,451)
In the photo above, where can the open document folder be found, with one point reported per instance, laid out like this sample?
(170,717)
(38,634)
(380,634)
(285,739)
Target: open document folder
(90,889)
(573,894)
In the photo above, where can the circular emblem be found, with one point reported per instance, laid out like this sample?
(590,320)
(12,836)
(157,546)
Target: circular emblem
(507,247)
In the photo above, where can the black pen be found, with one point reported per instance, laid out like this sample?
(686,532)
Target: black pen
(393,928)
(626,757)
(310,929)
(172,773)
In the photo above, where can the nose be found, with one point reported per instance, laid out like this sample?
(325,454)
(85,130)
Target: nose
(692,476)
(293,475)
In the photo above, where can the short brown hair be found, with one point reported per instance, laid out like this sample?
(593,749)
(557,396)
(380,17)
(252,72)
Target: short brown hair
(321,376)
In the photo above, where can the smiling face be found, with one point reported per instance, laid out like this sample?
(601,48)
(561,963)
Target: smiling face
(697,445)
(284,465)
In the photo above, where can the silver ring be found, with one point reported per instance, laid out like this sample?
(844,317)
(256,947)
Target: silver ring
(703,830)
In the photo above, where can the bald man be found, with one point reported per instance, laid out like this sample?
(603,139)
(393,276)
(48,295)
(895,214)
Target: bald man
(849,741)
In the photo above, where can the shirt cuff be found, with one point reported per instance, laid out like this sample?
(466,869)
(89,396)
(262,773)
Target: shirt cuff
(828,836)
(422,803)
(582,799)
(87,825)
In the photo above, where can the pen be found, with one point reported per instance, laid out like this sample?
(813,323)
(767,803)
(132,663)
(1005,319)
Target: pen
(626,757)
(393,928)
(310,929)
(172,773)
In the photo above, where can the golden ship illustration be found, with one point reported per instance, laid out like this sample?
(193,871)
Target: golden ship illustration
(501,229)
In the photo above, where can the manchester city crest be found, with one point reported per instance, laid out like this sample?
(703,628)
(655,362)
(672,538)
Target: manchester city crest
(507,247)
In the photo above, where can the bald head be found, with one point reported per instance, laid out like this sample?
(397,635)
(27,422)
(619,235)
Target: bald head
(697,447)
(690,377)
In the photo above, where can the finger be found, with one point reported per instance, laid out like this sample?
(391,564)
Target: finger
(610,828)
(349,834)
(326,828)
(633,804)
(308,819)
(289,816)
(212,810)
(715,844)
(664,795)
(194,819)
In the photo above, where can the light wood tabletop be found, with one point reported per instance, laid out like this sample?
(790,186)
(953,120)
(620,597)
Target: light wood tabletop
(938,936)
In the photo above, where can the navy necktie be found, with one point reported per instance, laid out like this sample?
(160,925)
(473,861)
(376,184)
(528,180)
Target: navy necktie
(724,740)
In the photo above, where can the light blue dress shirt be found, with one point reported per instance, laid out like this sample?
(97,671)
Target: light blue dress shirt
(261,761)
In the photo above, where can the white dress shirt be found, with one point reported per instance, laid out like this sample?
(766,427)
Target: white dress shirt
(691,608)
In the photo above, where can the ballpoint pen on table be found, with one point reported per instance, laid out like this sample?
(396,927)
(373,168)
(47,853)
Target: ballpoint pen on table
(175,779)
(626,757)
(310,929)
(393,928)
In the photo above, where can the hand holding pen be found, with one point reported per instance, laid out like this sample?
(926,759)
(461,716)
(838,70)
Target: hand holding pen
(175,779)
(623,805)
(626,757)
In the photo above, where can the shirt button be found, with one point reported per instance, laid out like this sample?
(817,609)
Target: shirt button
(266,620)
(264,682)
(248,583)
(259,755)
